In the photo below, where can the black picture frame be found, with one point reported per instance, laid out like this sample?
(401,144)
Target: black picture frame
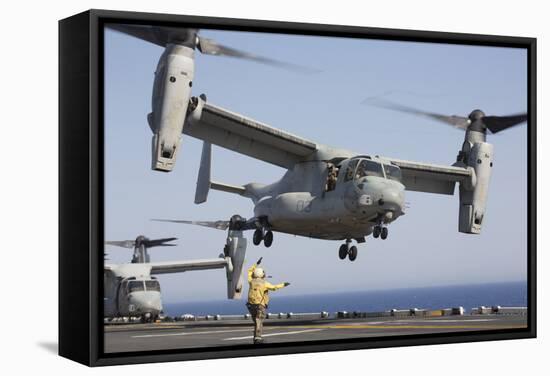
(81,186)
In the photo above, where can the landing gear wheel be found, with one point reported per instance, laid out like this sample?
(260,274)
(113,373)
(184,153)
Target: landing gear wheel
(384,233)
(343,251)
(352,253)
(268,239)
(376,232)
(145,319)
(258,236)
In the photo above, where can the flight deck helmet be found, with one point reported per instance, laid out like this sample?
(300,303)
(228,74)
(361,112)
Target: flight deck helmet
(258,273)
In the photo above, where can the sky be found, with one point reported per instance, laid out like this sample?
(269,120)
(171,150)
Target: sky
(424,247)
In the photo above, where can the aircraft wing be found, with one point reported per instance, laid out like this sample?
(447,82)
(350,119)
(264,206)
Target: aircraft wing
(431,178)
(244,135)
(184,266)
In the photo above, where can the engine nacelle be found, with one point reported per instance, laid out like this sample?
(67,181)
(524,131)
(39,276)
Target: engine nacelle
(473,196)
(163,160)
(235,250)
(171,93)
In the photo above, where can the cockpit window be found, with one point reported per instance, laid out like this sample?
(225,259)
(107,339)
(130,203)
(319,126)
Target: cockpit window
(350,170)
(369,168)
(392,172)
(152,285)
(135,286)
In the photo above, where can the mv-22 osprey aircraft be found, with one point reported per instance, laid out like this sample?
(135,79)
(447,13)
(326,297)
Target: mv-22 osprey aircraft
(132,290)
(326,193)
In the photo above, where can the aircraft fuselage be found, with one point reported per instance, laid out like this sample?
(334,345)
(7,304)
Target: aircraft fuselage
(302,203)
(129,292)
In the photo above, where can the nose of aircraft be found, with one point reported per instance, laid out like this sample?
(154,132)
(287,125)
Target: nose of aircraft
(392,198)
(385,196)
(146,301)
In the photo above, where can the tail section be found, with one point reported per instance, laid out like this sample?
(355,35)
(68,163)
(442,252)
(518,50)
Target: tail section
(204,182)
(203,179)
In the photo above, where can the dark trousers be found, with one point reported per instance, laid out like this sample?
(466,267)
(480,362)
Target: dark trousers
(257,311)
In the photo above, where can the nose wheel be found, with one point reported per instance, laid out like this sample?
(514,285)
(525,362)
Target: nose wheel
(260,234)
(347,251)
(380,231)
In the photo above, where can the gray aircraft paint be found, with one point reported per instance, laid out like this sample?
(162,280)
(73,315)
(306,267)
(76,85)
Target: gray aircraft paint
(295,204)
(119,300)
(298,204)
(171,92)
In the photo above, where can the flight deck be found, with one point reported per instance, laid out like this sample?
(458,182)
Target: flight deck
(283,328)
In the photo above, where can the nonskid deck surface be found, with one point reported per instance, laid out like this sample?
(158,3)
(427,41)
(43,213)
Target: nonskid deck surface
(193,334)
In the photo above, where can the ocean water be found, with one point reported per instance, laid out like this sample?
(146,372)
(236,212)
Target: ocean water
(511,294)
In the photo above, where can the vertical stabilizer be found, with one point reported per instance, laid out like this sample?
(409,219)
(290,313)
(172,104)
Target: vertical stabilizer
(203,179)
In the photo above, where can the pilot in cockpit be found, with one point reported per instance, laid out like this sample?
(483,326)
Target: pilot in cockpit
(360,171)
(332,176)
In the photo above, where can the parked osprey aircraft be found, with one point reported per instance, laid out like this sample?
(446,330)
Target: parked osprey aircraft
(326,193)
(132,290)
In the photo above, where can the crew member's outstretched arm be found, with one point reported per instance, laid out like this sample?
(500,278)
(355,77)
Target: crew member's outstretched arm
(271,287)
(250,271)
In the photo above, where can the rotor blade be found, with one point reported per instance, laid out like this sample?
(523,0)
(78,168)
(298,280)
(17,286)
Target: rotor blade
(211,47)
(143,32)
(499,123)
(160,242)
(122,243)
(460,122)
(160,36)
(219,225)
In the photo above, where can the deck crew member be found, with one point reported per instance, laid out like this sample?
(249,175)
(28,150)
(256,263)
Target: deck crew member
(258,297)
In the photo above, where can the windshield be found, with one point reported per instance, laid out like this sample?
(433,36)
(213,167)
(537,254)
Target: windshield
(135,286)
(350,170)
(393,172)
(152,285)
(369,168)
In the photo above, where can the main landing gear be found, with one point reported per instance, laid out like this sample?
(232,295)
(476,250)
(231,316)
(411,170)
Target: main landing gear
(147,318)
(380,231)
(261,234)
(347,251)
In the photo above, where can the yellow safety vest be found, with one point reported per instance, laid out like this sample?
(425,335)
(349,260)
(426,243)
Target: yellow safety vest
(258,291)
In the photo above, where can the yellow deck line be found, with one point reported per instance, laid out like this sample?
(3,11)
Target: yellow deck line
(407,326)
